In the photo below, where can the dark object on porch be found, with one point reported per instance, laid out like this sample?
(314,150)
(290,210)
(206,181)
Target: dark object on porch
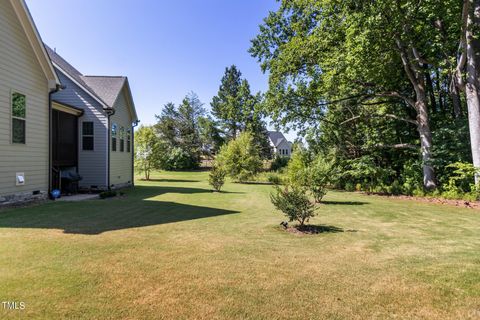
(64,152)
(64,139)
(70,179)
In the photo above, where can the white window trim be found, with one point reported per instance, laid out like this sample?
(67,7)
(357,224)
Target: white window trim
(129,141)
(122,139)
(114,136)
(12,91)
(89,135)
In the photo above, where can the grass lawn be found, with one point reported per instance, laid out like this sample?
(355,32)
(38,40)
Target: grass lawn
(171,249)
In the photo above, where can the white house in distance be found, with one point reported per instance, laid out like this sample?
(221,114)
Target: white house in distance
(280,145)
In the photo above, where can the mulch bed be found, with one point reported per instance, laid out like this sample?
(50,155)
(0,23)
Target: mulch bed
(456,203)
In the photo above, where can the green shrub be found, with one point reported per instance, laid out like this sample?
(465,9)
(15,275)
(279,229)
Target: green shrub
(240,158)
(108,194)
(274,178)
(179,159)
(279,163)
(294,203)
(380,189)
(461,182)
(418,192)
(216,178)
(349,187)
(396,188)
(411,178)
(296,169)
(313,174)
(319,174)
(367,171)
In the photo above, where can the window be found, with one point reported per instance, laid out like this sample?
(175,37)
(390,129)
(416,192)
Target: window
(122,139)
(129,140)
(19,115)
(87,135)
(114,137)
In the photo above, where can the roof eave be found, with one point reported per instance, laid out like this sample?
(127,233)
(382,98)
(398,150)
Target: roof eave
(102,103)
(135,116)
(126,84)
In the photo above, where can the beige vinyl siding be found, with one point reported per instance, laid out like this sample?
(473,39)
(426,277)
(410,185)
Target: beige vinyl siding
(92,164)
(121,162)
(20,71)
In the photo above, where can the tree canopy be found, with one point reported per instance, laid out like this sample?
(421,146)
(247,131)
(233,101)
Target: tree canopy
(367,78)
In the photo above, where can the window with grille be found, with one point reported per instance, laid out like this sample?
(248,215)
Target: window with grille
(114,137)
(129,140)
(19,118)
(87,136)
(122,139)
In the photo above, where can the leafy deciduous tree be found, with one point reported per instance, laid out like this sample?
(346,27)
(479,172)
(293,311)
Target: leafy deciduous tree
(148,151)
(240,158)
(335,57)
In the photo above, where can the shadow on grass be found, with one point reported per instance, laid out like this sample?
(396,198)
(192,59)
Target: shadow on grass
(316,229)
(170,180)
(138,209)
(151,191)
(264,183)
(345,203)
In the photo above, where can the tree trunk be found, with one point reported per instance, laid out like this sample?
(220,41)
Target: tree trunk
(438,88)
(423,127)
(413,66)
(472,86)
(147,172)
(455,96)
(431,92)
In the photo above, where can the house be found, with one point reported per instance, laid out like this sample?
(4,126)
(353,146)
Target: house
(103,116)
(27,78)
(280,145)
(54,121)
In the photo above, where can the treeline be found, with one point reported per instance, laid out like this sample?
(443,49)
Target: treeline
(186,134)
(388,90)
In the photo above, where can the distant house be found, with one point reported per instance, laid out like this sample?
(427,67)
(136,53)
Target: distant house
(102,113)
(55,122)
(280,145)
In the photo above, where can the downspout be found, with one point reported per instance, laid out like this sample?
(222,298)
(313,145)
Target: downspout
(50,121)
(110,112)
(134,125)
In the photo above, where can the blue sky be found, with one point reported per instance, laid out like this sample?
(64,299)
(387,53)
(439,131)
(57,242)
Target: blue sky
(166,48)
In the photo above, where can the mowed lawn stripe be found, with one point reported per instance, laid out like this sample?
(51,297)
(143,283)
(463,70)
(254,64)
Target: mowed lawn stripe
(172,249)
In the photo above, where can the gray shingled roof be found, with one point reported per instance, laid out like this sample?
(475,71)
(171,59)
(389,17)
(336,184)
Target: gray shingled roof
(104,88)
(72,72)
(108,88)
(276,137)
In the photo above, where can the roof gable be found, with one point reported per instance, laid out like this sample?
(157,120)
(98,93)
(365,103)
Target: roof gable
(109,88)
(104,89)
(276,138)
(35,41)
(73,74)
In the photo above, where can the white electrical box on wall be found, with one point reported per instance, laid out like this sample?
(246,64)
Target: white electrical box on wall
(20,179)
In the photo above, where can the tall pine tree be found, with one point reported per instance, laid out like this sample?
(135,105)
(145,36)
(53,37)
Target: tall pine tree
(227,105)
(237,110)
